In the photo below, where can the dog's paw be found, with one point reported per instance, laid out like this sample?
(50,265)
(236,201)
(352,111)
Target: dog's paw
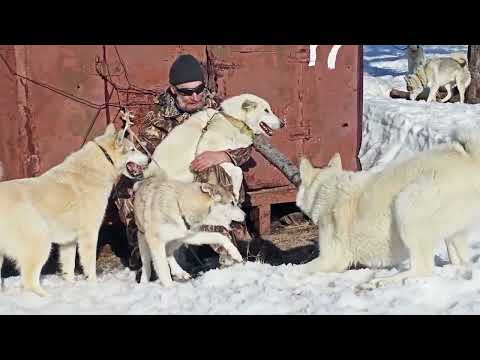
(40,292)
(69,277)
(182,275)
(374,284)
(233,254)
(237,257)
(225,261)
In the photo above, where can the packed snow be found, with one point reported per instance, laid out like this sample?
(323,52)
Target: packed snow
(392,128)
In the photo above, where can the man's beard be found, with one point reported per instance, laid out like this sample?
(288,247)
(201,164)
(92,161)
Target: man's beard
(189,108)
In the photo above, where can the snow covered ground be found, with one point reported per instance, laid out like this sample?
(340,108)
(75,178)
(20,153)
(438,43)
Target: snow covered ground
(250,288)
(395,128)
(392,129)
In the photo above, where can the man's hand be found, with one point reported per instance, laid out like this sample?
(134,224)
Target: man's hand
(208,159)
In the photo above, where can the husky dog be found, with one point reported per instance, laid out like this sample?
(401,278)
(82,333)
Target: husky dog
(170,213)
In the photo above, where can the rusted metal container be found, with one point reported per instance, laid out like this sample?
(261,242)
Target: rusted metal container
(322,107)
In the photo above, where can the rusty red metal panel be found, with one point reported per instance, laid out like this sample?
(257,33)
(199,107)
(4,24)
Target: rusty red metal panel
(59,124)
(148,66)
(331,107)
(13,151)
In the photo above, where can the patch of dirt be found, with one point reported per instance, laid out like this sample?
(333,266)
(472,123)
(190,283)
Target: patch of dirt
(293,240)
(107,261)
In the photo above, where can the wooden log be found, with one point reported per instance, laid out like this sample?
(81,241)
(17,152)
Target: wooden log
(400,94)
(277,159)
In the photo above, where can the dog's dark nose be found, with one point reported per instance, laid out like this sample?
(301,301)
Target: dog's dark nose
(282,123)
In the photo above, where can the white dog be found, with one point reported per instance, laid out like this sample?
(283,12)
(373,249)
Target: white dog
(416,57)
(65,205)
(378,219)
(233,127)
(170,213)
(445,71)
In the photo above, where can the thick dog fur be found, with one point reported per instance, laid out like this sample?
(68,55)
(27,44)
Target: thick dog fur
(379,219)
(65,205)
(175,153)
(168,214)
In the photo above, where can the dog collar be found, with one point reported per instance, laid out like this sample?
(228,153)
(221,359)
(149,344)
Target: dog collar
(240,125)
(105,153)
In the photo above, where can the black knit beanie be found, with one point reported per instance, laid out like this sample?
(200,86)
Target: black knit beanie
(185,69)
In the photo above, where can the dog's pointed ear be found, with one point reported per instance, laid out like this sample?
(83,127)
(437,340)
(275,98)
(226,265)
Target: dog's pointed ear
(336,161)
(306,170)
(211,190)
(110,130)
(249,105)
(206,188)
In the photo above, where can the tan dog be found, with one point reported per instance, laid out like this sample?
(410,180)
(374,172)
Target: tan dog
(448,72)
(65,205)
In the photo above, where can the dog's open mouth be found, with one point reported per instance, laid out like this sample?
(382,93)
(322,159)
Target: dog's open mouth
(135,170)
(266,129)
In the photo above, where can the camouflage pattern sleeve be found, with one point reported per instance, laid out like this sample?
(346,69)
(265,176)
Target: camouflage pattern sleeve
(154,131)
(240,156)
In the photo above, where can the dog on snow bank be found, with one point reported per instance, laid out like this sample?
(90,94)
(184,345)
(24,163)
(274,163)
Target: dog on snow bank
(170,213)
(443,71)
(65,205)
(378,219)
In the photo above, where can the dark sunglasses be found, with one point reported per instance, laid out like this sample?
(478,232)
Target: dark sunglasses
(189,92)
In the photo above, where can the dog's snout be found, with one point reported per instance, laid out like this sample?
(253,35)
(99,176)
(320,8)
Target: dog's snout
(282,123)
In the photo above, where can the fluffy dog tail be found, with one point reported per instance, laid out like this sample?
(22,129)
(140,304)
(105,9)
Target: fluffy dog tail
(460,58)
(469,139)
